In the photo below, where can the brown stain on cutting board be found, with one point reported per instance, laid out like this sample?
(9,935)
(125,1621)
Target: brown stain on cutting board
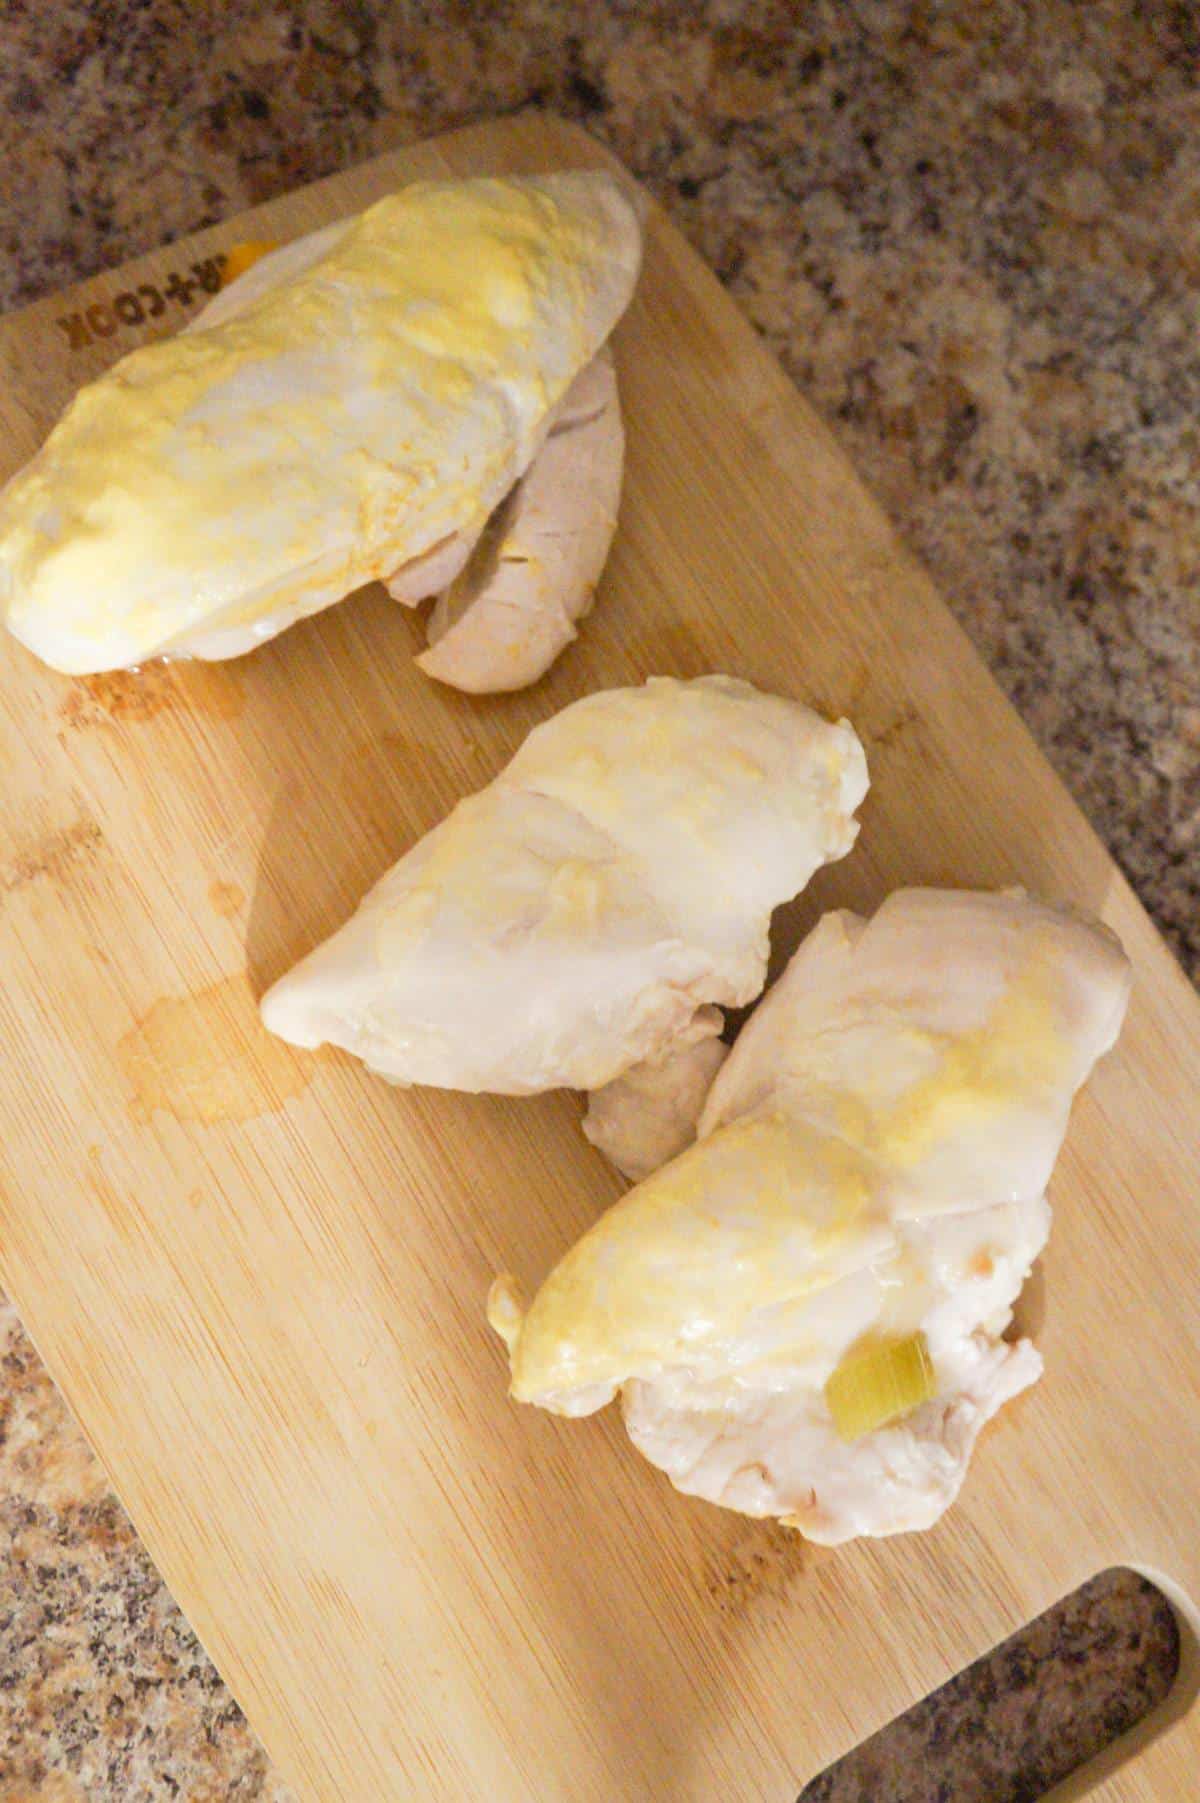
(52,855)
(207,1057)
(131,697)
(764,1560)
(902,720)
(881,717)
(226,899)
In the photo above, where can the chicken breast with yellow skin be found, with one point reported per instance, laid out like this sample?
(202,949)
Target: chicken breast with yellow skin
(370,394)
(509,589)
(572,918)
(859,1213)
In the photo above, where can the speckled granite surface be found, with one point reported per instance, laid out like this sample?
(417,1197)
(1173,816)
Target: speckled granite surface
(104,1693)
(973,235)
(1028,1713)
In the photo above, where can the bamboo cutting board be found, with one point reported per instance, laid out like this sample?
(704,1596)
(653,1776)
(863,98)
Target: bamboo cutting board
(259,1275)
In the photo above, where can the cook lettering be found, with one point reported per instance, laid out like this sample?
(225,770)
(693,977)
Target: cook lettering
(134,306)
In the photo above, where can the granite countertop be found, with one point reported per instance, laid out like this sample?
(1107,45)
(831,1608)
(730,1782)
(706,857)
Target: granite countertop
(973,236)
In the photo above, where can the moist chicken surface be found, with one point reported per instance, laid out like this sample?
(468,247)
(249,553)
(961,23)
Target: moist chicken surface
(571,919)
(355,403)
(871,1165)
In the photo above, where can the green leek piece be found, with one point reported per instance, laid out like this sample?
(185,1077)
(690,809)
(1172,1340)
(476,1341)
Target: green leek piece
(879,1382)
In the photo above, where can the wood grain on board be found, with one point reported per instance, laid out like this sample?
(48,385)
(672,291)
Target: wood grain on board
(258,1275)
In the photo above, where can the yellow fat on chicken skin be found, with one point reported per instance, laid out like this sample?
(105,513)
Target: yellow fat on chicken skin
(342,408)
(803,1313)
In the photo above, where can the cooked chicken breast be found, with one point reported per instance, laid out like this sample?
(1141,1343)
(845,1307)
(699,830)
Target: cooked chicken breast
(570,920)
(351,404)
(803,1313)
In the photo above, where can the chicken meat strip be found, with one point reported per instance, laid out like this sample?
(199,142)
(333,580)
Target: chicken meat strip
(515,603)
(354,402)
(803,1314)
(569,920)
(648,1116)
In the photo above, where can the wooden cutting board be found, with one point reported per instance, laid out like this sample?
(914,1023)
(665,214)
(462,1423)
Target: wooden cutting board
(259,1276)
